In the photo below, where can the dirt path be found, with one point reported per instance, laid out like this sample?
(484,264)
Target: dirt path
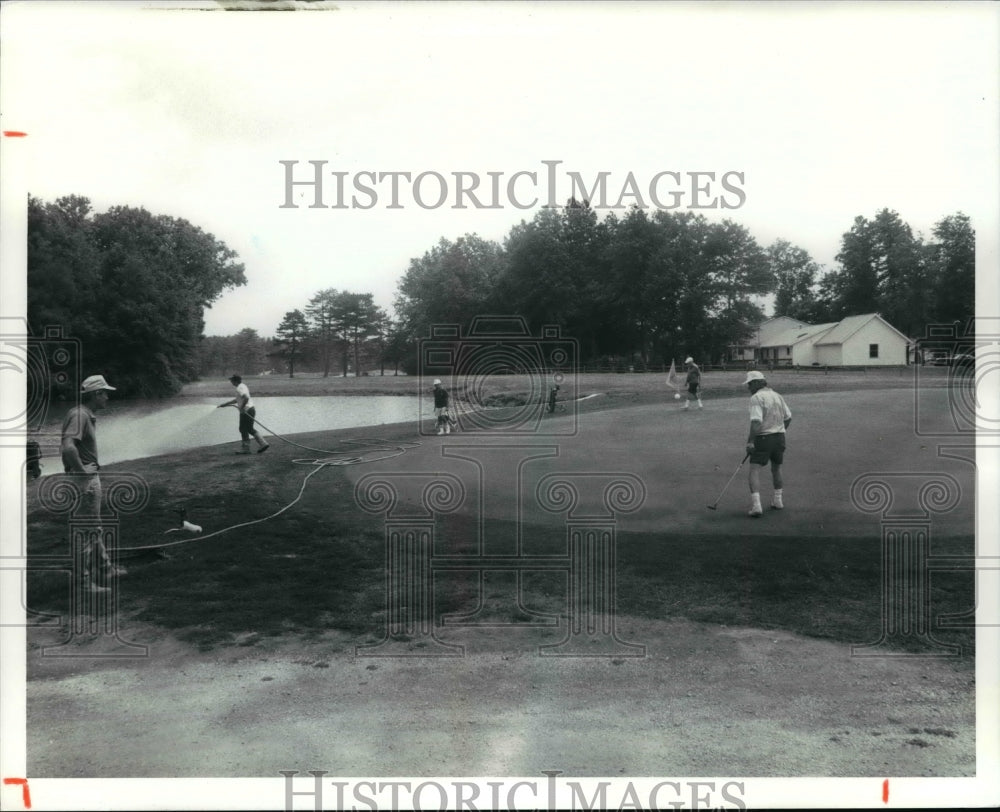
(703,701)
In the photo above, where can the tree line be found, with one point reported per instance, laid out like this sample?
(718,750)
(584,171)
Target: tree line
(636,287)
(652,288)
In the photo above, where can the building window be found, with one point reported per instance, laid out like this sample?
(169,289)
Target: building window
(873,350)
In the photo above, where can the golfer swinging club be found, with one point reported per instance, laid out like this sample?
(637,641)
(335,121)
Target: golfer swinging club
(769,417)
(244,403)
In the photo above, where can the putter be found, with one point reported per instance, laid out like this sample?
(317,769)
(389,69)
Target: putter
(730,482)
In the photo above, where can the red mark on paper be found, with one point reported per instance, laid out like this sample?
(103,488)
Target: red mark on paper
(885,791)
(25,795)
(14,134)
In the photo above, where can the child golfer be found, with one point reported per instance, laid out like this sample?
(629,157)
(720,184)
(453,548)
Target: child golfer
(441,413)
(693,382)
(244,403)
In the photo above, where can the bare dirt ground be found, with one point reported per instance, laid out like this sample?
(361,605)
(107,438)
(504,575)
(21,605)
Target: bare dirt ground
(703,701)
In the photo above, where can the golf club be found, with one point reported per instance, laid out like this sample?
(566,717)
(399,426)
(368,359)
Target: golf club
(730,482)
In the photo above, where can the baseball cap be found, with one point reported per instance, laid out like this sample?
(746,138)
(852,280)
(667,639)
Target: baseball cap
(437,381)
(689,360)
(95,383)
(754,375)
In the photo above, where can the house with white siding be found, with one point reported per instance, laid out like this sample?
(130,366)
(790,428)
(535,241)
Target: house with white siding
(762,337)
(866,340)
(795,347)
(863,341)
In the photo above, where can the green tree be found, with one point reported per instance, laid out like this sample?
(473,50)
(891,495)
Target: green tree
(249,352)
(882,270)
(952,270)
(796,274)
(323,327)
(452,283)
(130,285)
(290,337)
(355,317)
(555,272)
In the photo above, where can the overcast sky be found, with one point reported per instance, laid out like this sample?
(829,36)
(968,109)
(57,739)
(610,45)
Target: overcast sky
(826,112)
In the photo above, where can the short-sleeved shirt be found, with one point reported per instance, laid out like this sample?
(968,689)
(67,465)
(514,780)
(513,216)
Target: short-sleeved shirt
(770,409)
(242,389)
(694,374)
(80,424)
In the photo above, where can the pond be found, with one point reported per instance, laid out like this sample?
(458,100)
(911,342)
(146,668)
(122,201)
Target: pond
(131,430)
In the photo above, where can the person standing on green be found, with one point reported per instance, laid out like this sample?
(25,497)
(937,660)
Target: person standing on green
(78,449)
(693,382)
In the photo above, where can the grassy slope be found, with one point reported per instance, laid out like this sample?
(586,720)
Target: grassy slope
(321,564)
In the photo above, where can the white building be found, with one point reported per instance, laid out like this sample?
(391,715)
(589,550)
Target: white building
(762,337)
(864,341)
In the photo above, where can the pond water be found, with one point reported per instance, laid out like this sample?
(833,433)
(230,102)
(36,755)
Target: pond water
(132,430)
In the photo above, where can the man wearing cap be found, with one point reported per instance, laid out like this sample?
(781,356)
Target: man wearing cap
(693,382)
(79,455)
(769,417)
(441,398)
(244,403)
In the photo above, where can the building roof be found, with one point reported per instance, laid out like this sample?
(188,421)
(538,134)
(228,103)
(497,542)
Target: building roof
(794,335)
(774,327)
(849,326)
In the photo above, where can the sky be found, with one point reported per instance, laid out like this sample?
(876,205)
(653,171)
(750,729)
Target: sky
(821,112)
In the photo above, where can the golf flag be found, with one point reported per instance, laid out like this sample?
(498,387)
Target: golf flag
(672,380)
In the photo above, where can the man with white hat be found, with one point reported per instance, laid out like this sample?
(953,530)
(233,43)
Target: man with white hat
(441,398)
(769,417)
(693,382)
(79,456)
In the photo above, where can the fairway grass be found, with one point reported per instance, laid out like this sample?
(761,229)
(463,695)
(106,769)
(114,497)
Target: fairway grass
(321,566)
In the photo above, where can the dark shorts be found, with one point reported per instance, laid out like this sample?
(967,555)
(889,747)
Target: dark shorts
(246,422)
(693,388)
(768,448)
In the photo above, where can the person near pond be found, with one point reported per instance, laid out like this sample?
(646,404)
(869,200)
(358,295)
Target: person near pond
(553,394)
(441,413)
(78,448)
(244,403)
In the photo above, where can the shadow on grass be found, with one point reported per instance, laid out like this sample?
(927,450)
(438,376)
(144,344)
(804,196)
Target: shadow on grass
(322,567)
